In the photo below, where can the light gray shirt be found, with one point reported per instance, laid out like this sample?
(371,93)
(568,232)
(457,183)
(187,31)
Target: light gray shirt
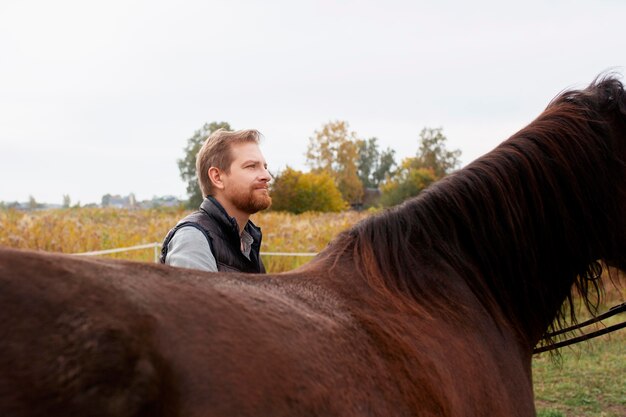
(189,248)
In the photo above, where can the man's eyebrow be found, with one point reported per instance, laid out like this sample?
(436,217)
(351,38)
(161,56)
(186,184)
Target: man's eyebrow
(252,161)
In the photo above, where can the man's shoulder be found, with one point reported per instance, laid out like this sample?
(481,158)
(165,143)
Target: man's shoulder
(189,234)
(189,231)
(198,218)
(190,248)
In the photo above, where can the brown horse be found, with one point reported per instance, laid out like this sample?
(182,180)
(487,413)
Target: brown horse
(431,308)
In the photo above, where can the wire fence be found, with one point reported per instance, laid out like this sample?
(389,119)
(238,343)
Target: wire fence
(156,246)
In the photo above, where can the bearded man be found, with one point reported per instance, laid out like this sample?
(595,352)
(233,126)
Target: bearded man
(233,177)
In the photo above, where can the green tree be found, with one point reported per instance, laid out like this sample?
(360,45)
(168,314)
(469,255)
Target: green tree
(374,166)
(334,149)
(433,154)
(432,162)
(385,169)
(408,183)
(66,201)
(187,165)
(297,192)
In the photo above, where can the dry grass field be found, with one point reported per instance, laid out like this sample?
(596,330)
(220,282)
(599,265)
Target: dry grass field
(587,380)
(93,229)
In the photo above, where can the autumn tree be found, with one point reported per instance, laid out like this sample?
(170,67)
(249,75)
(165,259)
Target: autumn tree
(334,149)
(407,183)
(297,192)
(433,153)
(187,165)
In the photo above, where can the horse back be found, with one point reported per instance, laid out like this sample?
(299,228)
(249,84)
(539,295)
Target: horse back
(108,338)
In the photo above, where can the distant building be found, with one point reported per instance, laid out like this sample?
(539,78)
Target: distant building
(130,201)
(117,201)
(163,201)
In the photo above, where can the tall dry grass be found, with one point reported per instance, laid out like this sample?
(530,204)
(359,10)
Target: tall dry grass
(86,229)
(307,232)
(93,229)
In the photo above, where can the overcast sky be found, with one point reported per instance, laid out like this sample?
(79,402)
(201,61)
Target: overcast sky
(100,97)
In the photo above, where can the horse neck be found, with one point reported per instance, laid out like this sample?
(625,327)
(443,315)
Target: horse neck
(521,223)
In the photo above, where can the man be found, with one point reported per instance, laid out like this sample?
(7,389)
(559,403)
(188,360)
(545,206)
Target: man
(233,177)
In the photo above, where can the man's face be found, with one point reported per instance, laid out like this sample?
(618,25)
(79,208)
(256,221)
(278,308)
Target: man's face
(246,186)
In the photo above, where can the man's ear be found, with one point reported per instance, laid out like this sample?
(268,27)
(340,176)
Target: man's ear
(215,176)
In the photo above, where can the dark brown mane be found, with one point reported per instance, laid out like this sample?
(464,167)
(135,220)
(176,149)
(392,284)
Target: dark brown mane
(517,224)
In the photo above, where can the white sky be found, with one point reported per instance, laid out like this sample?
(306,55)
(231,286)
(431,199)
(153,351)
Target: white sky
(100,97)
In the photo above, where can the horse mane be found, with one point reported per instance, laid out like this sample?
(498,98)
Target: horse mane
(524,225)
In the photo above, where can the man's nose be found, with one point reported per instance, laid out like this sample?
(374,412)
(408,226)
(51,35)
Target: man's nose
(265,175)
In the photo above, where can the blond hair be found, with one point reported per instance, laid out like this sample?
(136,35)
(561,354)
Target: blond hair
(216,152)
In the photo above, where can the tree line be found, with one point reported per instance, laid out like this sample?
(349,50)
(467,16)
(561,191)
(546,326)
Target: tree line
(345,170)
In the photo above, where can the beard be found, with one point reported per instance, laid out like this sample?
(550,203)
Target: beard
(251,200)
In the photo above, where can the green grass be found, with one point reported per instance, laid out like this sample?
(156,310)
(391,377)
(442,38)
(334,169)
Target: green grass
(550,413)
(589,379)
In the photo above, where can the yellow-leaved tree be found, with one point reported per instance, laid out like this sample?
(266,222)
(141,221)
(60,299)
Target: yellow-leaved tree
(334,149)
(297,192)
